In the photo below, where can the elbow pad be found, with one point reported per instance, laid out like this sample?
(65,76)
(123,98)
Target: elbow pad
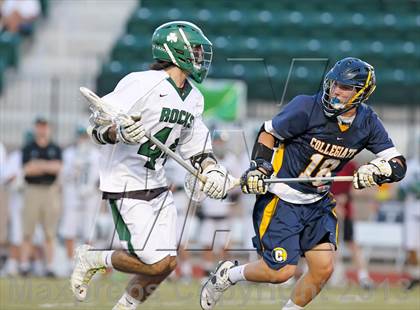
(260,151)
(398,170)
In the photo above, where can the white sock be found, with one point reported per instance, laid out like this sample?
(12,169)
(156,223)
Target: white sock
(186,269)
(414,271)
(290,305)
(362,274)
(25,266)
(106,258)
(236,274)
(50,266)
(12,263)
(128,301)
(208,266)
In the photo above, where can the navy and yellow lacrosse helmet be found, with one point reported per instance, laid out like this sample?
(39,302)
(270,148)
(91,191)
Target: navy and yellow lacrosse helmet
(352,72)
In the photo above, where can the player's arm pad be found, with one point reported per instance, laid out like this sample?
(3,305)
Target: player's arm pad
(261,151)
(261,156)
(99,134)
(398,170)
(202,160)
(262,129)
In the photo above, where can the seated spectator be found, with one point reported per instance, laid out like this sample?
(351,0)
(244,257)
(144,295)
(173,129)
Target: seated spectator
(19,15)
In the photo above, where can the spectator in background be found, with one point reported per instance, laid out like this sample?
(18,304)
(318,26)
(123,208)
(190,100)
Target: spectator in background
(3,205)
(81,198)
(344,208)
(410,191)
(41,161)
(14,184)
(19,15)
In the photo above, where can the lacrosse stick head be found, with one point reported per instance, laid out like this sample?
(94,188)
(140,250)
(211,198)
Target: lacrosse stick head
(192,188)
(102,112)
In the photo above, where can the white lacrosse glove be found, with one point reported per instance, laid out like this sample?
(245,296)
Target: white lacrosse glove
(216,184)
(130,130)
(252,181)
(370,174)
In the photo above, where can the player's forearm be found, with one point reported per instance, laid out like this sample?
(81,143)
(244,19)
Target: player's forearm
(103,134)
(112,133)
(262,154)
(263,147)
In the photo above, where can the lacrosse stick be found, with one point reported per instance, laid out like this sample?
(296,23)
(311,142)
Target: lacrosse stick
(97,104)
(346,178)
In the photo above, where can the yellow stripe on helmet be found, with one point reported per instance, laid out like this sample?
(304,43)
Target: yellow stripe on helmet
(361,90)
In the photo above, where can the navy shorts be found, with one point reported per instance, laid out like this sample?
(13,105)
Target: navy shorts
(285,231)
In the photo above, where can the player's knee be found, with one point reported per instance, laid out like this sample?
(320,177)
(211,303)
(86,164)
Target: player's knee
(323,273)
(282,275)
(172,263)
(164,266)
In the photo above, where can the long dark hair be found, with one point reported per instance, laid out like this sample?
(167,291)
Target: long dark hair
(160,65)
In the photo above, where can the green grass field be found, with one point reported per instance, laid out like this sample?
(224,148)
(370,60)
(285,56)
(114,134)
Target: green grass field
(35,293)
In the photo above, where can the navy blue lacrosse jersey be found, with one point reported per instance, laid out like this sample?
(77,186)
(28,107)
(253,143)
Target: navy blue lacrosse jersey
(314,145)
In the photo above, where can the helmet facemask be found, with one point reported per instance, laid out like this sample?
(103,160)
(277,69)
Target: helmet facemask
(200,58)
(333,106)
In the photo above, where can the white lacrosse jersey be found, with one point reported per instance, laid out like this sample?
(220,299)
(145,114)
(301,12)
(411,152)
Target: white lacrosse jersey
(172,117)
(80,171)
(3,158)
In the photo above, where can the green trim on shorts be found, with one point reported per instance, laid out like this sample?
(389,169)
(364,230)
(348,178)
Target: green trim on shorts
(122,229)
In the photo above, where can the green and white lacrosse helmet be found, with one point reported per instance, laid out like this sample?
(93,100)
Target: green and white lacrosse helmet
(185,45)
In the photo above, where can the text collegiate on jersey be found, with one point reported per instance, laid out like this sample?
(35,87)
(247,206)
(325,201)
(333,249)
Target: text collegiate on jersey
(332,149)
(175,116)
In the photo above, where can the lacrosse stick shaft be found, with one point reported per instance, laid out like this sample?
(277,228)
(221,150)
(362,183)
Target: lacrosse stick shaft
(175,157)
(310,179)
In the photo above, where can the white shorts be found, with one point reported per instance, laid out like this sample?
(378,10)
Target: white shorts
(412,225)
(146,229)
(215,233)
(79,214)
(15,212)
